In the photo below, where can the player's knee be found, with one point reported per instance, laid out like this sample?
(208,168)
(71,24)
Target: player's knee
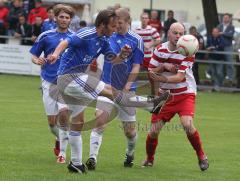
(52,120)
(130,133)
(63,118)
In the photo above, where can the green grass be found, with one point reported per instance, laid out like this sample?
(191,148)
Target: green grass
(26,143)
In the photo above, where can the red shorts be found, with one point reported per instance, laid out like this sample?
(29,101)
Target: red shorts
(183,105)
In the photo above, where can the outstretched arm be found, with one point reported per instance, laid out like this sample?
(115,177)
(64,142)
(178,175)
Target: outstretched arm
(176,78)
(38,60)
(60,48)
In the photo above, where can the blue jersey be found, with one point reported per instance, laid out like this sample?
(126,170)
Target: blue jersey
(46,43)
(48,25)
(83,48)
(117,74)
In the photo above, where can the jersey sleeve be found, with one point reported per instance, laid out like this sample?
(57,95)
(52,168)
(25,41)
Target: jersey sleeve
(155,35)
(156,59)
(74,40)
(138,53)
(187,63)
(38,46)
(109,51)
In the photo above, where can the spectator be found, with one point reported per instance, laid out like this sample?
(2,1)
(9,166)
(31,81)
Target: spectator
(3,14)
(193,31)
(82,24)
(215,42)
(2,32)
(74,25)
(227,31)
(155,22)
(28,5)
(170,20)
(15,10)
(3,20)
(23,31)
(49,23)
(37,11)
(36,28)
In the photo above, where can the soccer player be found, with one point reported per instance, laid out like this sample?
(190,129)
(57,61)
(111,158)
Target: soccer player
(79,89)
(122,77)
(55,109)
(151,38)
(49,23)
(176,76)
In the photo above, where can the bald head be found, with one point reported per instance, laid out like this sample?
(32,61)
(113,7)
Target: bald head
(177,26)
(175,31)
(123,13)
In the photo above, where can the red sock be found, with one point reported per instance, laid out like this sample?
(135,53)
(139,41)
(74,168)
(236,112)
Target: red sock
(151,145)
(196,144)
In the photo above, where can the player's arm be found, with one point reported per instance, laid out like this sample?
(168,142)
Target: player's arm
(38,60)
(132,76)
(124,53)
(176,78)
(59,49)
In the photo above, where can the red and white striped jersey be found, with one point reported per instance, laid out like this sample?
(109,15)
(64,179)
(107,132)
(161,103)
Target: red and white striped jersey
(161,55)
(148,34)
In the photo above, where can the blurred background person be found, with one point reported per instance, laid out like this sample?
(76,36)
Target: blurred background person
(23,30)
(170,20)
(82,24)
(74,25)
(36,28)
(37,11)
(193,31)
(3,20)
(155,22)
(14,11)
(215,42)
(151,38)
(227,31)
(50,22)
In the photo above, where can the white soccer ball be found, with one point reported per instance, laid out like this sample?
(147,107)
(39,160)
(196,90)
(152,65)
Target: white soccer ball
(187,45)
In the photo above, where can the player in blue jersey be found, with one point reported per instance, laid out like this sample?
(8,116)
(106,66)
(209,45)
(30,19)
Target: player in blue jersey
(54,107)
(79,88)
(49,23)
(122,77)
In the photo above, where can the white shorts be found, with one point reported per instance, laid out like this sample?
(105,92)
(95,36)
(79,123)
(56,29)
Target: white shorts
(81,87)
(52,99)
(125,114)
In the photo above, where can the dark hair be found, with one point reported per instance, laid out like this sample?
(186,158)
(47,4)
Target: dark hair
(104,17)
(228,14)
(83,23)
(21,15)
(37,1)
(49,8)
(170,11)
(192,28)
(65,8)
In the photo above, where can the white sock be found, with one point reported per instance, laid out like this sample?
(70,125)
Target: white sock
(95,143)
(75,141)
(131,143)
(55,131)
(63,139)
(132,100)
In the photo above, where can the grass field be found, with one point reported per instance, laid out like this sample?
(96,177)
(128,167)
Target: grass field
(26,143)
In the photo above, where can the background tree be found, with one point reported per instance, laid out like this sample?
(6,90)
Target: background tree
(210,14)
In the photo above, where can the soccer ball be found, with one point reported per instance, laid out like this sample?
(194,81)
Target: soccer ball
(187,45)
